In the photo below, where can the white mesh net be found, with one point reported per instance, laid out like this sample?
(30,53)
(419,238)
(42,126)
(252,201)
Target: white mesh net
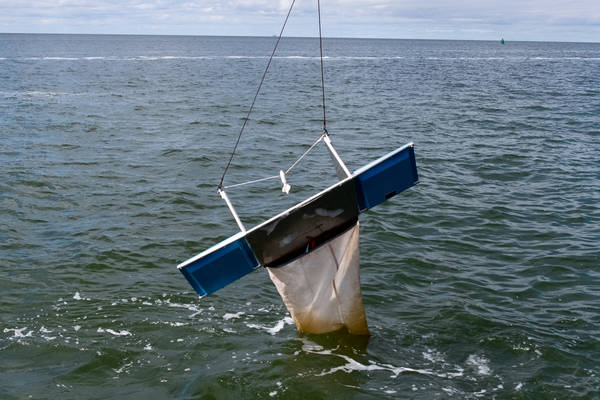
(321,290)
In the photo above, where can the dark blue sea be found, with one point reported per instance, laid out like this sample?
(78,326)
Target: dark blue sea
(483,281)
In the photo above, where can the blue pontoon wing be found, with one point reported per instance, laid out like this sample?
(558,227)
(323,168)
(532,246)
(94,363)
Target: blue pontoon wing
(304,226)
(386,177)
(215,269)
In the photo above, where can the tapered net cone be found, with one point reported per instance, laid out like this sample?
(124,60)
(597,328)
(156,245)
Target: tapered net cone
(321,289)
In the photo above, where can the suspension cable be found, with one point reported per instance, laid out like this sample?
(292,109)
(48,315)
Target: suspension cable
(322,69)
(256,95)
(305,153)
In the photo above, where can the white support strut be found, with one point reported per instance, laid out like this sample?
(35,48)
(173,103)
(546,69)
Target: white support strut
(336,156)
(235,216)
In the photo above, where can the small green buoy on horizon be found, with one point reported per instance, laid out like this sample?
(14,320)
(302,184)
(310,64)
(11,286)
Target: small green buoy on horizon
(502,41)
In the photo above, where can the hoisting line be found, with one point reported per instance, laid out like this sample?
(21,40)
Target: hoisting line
(322,69)
(256,95)
(323,135)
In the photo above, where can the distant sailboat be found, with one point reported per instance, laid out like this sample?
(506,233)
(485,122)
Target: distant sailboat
(310,250)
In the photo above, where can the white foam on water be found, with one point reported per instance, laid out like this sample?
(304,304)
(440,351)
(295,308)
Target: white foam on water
(77,296)
(229,316)
(113,332)
(479,362)
(119,333)
(275,392)
(352,365)
(300,57)
(310,347)
(18,332)
(297,57)
(564,58)
(433,356)
(450,390)
(192,307)
(523,347)
(159,58)
(274,329)
(43,330)
(123,367)
(36,93)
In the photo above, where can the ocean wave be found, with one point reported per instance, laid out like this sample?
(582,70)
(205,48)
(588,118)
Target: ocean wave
(228,57)
(296,57)
(487,269)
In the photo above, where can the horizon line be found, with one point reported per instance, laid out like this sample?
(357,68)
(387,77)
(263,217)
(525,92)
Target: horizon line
(290,37)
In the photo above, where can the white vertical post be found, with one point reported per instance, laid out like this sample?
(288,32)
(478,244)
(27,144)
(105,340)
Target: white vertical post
(237,218)
(336,156)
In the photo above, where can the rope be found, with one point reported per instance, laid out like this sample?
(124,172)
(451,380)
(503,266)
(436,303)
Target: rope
(286,171)
(255,96)
(251,182)
(322,69)
(305,153)
(325,133)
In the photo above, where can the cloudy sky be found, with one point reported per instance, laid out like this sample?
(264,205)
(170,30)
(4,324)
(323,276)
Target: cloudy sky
(545,20)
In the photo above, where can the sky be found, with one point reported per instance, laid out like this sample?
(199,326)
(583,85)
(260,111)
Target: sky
(537,20)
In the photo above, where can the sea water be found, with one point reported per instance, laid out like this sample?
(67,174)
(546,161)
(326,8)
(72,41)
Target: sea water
(483,281)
